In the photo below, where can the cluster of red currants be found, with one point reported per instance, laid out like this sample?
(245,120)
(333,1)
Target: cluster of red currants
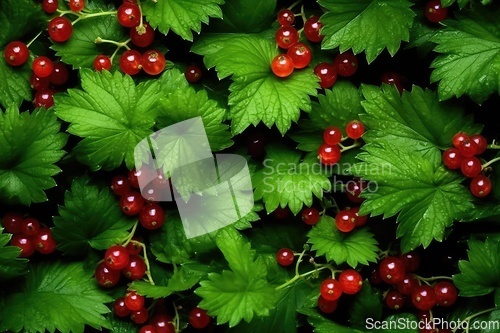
(329,152)
(133,202)
(345,64)
(120,260)
(28,234)
(463,156)
(349,282)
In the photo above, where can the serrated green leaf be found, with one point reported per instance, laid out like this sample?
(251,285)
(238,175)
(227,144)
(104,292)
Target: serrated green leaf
(55,296)
(17,18)
(111,114)
(10,264)
(347,23)
(470,55)
(367,304)
(461,3)
(421,34)
(357,247)
(243,291)
(90,217)
(14,83)
(30,144)
(245,16)
(257,95)
(415,120)
(121,325)
(321,324)
(480,275)
(181,16)
(81,49)
(286,180)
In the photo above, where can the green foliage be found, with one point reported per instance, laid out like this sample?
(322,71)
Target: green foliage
(17,18)
(14,83)
(10,264)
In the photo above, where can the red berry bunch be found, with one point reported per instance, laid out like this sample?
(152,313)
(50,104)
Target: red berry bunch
(344,64)
(329,152)
(349,282)
(347,219)
(28,234)
(464,156)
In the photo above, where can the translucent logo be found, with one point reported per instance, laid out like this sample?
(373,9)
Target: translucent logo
(211,192)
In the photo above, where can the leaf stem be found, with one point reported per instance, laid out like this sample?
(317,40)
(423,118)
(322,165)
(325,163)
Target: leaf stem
(487,164)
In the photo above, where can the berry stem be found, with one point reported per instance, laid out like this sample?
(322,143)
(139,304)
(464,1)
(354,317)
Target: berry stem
(34,38)
(83,16)
(131,235)
(487,164)
(140,28)
(346,148)
(145,257)
(300,276)
(303,14)
(100,40)
(294,4)
(493,145)
(433,278)
(469,318)
(299,260)
(176,322)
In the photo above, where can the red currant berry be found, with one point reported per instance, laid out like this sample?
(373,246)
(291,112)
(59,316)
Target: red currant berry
(102,62)
(44,98)
(60,29)
(285,257)
(330,289)
(116,257)
(163,323)
(76,5)
(351,281)
(42,66)
(131,203)
(354,189)
(407,285)
(359,220)
(355,129)
(16,53)
(281,213)
(286,37)
(140,37)
(435,12)
(129,15)
(133,247)
(481,142)
(394,79)
(452,158)
(25,243)
(329,155)
(135,269)
(30,226)
(394,300)
(458,138)
(152,216)
(326,306)
(148,329)
(423,298)
(301,55)
(446,293)
(256,145)
(193,74)
(411,260)
(131,62)
(345,220)
(133,176)
(471,167)
(44,242)
(106,277)
(332,135)
(133,301)
(468,148)
(198,318)
(50,6)
(286,17)
(39,83)
(120,185)
(346,64)
(60,74)
(153,62)
(12,222)
(326,74)
(312,28)
(480,186)
(140,316)
(392,270)
(310,216)
(282,65)
(120,309)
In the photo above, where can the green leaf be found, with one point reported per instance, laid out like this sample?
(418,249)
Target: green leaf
(17,18)
(120,325)
(415,120)
(257,95)
(286,180)
(112,114)
(30,144)
(421,35)
(357,247)
(14,83)
(461,3)
(397,323)
(346,24)
(55,296)
(480,275)
(242,292)
(325,325)
(470,55)
(181,16)
(89,218)
(367,304)
(10,264)
(428,197)
(245,16)
(81,49)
